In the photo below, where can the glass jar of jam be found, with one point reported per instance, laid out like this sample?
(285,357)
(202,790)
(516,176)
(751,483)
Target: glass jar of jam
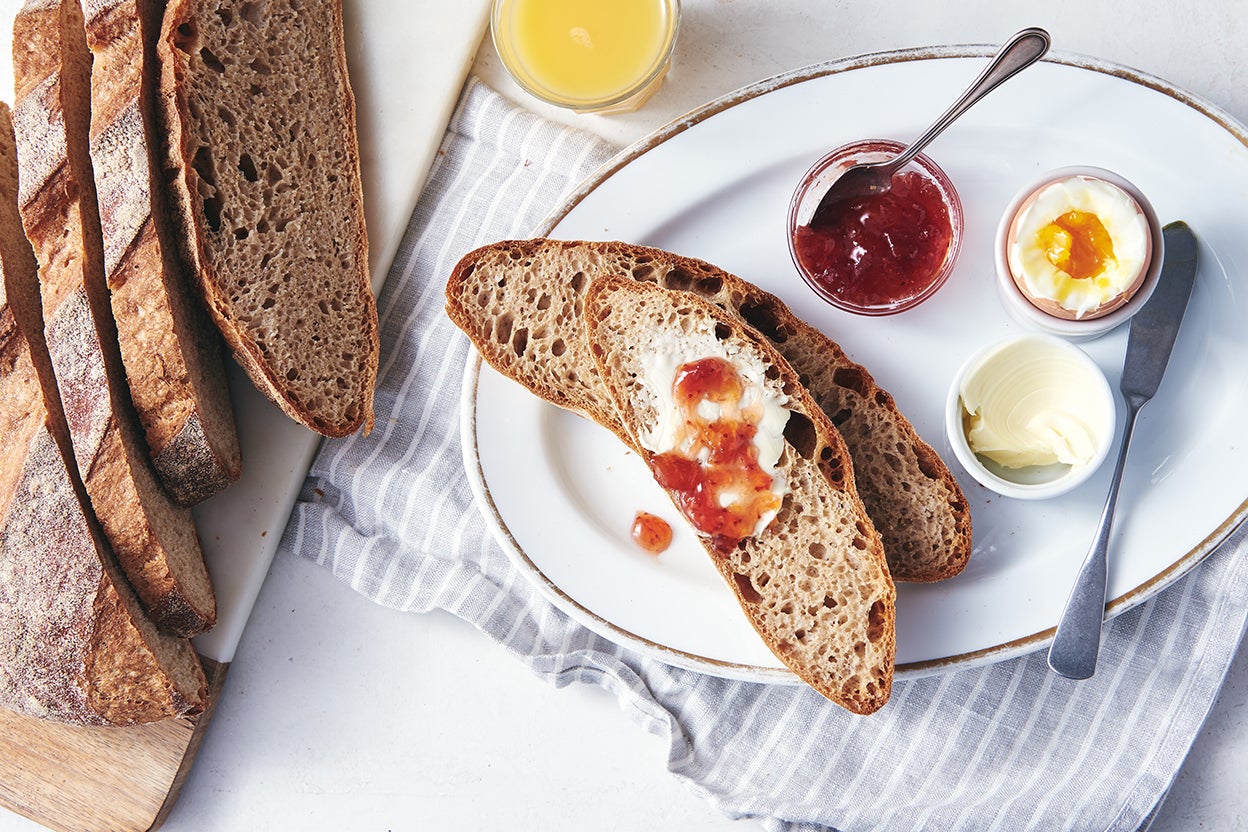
(878,254)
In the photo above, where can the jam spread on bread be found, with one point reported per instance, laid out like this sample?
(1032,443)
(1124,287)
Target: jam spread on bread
(651,532)
(714,472)
(880,249)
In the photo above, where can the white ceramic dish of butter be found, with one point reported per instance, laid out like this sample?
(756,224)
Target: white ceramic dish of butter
(1059,404)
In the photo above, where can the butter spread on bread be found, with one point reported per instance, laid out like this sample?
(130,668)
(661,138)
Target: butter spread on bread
(716,433)
(813,581)
(520,302)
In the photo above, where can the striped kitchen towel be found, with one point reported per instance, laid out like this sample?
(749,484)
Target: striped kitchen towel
(1009,746)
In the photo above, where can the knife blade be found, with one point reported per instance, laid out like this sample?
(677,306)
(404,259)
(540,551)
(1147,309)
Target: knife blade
(1154,328)
(1150,342)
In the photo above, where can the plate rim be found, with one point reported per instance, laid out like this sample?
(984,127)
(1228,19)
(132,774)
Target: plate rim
(757,673)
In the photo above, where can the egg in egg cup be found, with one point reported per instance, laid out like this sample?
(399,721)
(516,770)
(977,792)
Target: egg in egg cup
(1078,252)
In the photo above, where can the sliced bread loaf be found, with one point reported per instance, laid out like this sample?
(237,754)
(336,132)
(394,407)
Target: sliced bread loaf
(75,646)
(154,539)
(813,581)
(171,351)
(263,166)
(520,302)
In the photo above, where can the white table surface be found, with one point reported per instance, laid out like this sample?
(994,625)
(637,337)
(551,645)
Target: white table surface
(339,714)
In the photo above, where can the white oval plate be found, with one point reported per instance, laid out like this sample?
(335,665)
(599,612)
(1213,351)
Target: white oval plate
(716,186)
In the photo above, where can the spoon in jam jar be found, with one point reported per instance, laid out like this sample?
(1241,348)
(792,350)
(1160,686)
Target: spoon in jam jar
(1019,52)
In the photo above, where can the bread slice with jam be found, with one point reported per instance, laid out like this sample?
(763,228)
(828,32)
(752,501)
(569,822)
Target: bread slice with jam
(520,302)
(761,473)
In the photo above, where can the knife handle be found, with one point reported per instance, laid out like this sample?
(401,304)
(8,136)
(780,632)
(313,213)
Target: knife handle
(1078,640)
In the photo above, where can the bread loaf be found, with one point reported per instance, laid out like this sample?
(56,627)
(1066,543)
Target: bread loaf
(154,539)
(170,350)
(263,166)
(521,302)
(814,581)
(74,645)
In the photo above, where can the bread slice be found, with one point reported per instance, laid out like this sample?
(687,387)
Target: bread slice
(814,582)
(263,166)
(520,302)
(171,351)
(154,539)
(75,646)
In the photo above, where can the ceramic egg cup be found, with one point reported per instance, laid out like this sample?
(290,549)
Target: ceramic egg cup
(1026,313)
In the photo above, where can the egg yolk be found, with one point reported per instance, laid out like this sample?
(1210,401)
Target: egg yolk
(1077,243)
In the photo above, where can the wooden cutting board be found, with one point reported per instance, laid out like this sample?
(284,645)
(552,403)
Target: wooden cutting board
(127,779)
(72,779)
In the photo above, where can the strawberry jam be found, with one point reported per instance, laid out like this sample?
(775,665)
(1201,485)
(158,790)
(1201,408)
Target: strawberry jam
(879,250)
(714,474)
(651,533)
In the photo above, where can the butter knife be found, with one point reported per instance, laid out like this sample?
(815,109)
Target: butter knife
(1153,329)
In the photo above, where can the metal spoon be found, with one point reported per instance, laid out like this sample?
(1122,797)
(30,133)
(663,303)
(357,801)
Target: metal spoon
(1019,52)
(1153,330)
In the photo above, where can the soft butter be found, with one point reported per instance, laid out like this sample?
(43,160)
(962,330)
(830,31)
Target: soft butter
(1032,416)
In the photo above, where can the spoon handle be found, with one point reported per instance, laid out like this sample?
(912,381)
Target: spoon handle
(1078,640)
(1019,52)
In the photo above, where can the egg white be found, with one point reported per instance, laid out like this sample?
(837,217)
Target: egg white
(1043,282)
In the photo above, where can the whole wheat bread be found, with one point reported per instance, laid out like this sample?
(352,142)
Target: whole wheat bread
(75,646)
(171,351)
(814,583)
(520,302)
(263,166)
(154,539)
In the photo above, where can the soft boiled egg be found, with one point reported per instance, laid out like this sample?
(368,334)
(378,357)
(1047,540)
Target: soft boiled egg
(1079,247)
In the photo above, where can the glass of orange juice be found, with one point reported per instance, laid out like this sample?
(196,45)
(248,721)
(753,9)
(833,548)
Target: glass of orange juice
(591,56)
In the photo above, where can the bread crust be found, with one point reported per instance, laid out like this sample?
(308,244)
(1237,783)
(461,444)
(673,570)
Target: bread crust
(268,311)
(74,646)
(169,348)
(814,583)
(154,540)
(538,286)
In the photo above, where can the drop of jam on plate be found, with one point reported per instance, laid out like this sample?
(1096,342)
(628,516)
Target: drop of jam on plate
(715,476)
(651,532)
(877,254)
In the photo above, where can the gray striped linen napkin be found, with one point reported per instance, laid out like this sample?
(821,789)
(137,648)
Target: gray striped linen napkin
(1010,746)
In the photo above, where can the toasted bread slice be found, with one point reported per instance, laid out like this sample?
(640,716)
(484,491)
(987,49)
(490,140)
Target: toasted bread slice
(520,302)
(813,581)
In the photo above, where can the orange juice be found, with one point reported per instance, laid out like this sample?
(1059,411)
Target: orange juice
(589,55)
